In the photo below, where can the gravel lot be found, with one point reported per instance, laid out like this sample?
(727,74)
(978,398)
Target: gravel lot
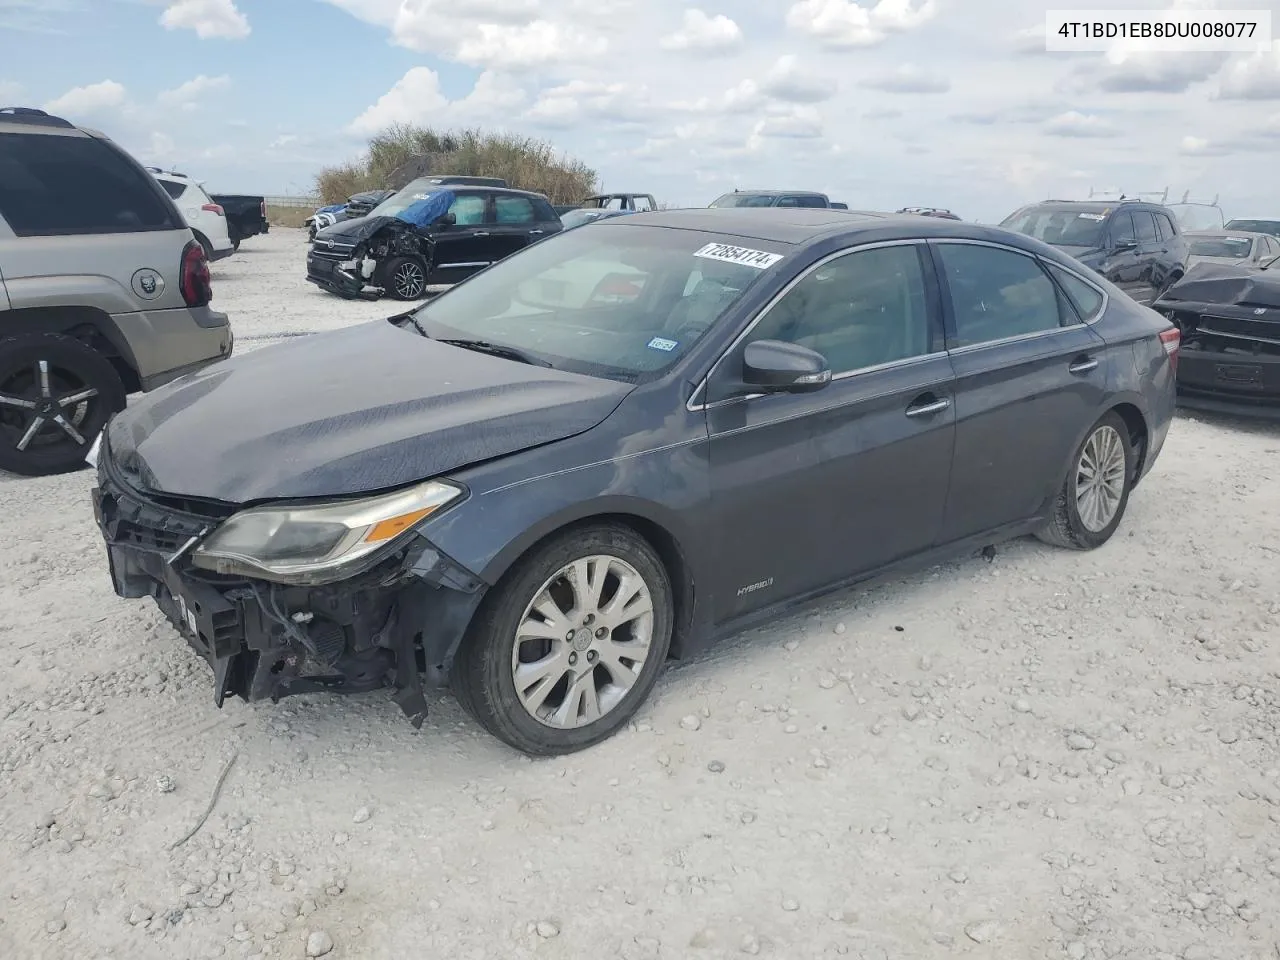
(1047,754)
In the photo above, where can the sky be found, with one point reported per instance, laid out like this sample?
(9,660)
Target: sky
(880,103)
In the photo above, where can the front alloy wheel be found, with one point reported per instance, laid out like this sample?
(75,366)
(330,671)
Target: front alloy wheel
(407,278)
(565,649)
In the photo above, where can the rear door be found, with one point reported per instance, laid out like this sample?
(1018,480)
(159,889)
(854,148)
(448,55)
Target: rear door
(465,246)
(513,220)
(811,489)
(1029,375)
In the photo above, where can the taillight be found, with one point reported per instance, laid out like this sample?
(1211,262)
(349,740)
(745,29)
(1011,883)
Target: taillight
(263,207)
(214,208)
(193,276)
(1172,340)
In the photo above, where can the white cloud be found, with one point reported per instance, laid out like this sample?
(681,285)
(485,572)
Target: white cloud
(1076,124)
(789,81)
(802,124)
(580,100)
(907,78)
(283,141)
(1256,77)
(703,33)
(160,148)
(514,47)
(845,23)
(188,94)
(416,98)
(11,93)
(208,18)
(93,99)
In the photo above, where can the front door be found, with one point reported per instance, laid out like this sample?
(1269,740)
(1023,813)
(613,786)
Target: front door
(466,245)
(1122,264)
(1029,378)
(811,489)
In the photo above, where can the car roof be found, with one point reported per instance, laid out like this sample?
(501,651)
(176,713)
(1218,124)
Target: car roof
(804,225)
(463,187)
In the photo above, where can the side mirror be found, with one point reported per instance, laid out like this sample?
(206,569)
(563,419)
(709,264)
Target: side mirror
(446,220)
(775,366)
(1126,244)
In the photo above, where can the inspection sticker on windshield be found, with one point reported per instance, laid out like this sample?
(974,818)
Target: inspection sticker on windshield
(661,343)
(1093,216)
(748,258)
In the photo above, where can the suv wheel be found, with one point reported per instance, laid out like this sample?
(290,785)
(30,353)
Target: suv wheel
(406,278)
(56,394)
(563,652)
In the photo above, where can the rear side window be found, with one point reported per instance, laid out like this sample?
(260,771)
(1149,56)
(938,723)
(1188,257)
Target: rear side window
(174,189)
(56,185)
(513,210)
(997,293)
(468,209)
(1083,296)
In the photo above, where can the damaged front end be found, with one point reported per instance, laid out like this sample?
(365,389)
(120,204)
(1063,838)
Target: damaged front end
(391,621)
(371,256)
(1229,317)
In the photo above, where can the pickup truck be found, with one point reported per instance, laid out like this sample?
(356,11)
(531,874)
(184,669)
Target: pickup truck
(632,202)
(246,215)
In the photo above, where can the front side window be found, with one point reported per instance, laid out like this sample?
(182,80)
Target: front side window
(513,210)
(468,209)
(59,185)
(1122,229)
(615,301)
(859,310)
(997,293)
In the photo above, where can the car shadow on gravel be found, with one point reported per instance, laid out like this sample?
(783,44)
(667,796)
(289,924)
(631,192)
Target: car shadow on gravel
(1240,424)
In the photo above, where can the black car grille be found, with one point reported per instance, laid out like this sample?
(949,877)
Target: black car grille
(335,253)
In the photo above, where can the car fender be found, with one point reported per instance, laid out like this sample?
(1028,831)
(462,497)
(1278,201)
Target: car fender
(1118,399)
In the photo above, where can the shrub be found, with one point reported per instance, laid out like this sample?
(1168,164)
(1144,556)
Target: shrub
(524,162)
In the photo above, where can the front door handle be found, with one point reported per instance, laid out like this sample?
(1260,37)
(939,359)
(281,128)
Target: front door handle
(928,408)
(534,232)
(1083,365)
(481,233)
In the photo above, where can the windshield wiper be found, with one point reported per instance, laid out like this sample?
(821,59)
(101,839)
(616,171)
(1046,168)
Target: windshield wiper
(498,350)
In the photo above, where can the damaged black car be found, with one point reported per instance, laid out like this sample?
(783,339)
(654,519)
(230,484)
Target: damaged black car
(426,234)
(621,443)
(1229,317)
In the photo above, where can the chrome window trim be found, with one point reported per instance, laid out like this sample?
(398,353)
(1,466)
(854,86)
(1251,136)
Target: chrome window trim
(764,311)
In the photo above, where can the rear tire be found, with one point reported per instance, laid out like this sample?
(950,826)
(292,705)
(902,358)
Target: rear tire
(405,278)
(567,673)
(1093,498)
(56,394)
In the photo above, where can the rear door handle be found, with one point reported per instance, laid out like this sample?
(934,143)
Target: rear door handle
(928,408)
(481,233)
(1084,365)
(534,232)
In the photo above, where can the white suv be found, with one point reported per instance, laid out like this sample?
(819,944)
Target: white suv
(207,220)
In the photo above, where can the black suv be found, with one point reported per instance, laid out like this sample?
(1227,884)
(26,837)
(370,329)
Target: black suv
(1136,245)
(381,253)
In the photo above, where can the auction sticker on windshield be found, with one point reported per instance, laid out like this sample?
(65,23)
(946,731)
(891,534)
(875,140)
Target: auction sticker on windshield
(743,255)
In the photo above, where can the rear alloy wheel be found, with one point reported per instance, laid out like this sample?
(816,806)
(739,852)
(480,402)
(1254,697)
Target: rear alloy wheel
(406,278)
(1093,498)
(56,394)
(569,645)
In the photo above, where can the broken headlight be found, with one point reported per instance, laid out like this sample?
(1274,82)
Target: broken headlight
(317,543)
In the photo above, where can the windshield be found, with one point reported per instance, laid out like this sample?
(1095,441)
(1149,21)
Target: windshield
(404,199)
(1233,248)
(745,200)
(616,301)
(1069,227)
(1256,226)
(576,218)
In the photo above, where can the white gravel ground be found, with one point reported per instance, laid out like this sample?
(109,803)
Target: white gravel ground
(1047,755)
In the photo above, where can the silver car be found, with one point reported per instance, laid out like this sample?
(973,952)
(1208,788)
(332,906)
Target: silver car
(104,290)
(1231,246)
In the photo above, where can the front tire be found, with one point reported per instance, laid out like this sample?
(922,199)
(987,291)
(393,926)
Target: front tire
(565,649)
(56,394)
(406,278)
(1095,494)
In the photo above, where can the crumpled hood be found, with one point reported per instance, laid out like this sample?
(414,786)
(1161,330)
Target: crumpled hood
(353,230)
(1227,283)
(354,411)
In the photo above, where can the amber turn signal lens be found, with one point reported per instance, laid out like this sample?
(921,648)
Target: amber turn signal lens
(388,529)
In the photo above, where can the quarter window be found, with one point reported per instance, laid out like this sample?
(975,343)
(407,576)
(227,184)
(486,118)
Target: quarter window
(859,310)
(173,188)
(468,209)
(997,294)
(1085,297)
